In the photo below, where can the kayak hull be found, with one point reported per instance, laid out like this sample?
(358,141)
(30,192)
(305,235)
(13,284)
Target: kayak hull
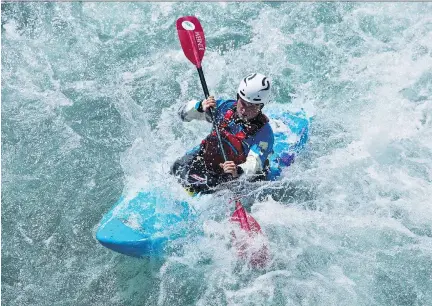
(146,223)
(141,226)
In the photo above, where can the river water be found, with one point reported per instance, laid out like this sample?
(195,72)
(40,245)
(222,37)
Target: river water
(89,98)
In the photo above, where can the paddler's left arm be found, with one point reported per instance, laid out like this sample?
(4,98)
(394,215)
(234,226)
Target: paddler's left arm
(259,152)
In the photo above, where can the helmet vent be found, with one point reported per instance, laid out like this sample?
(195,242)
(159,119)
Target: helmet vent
(251,77)
(264,84)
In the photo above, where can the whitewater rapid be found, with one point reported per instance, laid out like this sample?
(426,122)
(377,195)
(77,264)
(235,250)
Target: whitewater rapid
(90,93)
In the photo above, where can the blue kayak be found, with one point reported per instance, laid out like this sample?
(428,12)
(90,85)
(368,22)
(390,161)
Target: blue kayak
(147,223)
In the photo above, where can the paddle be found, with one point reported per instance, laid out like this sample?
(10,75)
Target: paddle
(192,40)
(258,257)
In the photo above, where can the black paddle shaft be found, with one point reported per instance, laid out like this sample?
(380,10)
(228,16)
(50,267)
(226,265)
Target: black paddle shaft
(215,126)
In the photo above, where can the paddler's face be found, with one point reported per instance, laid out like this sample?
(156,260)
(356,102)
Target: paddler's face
(246,110)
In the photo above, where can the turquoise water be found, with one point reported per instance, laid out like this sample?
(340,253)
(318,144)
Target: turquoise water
(89,99)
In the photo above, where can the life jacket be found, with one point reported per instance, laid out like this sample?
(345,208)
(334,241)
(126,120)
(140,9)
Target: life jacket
(232,143)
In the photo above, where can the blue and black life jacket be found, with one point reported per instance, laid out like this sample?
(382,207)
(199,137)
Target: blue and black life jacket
(232,143)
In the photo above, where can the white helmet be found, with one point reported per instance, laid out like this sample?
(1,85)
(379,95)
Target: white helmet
(255,88)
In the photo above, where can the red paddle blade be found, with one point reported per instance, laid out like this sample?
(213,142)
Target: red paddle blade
(252,247)
(246,221)
(192,38)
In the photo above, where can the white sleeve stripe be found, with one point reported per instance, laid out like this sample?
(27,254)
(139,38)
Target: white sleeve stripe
(188,111)
(252,165)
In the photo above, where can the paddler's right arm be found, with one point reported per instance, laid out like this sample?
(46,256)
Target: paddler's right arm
(196,110)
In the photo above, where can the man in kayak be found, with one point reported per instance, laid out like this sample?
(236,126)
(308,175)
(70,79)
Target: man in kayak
(246,136)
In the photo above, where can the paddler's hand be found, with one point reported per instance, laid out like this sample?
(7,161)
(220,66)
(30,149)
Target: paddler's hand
(230,167)
(207,103)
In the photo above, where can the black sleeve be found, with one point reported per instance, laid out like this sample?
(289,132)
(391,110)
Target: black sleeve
(239,170)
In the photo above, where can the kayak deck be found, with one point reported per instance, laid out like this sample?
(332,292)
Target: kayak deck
(145,224)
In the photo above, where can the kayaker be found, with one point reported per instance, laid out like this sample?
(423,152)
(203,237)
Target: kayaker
(246,135)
